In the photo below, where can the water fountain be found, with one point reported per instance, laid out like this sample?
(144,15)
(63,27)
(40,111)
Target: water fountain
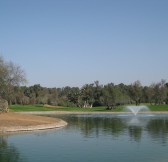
(136,109)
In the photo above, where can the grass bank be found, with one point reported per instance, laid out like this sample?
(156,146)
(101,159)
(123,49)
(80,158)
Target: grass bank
(22,108)
(158,107)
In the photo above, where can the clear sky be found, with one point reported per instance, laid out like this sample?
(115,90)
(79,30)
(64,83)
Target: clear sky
(74,42)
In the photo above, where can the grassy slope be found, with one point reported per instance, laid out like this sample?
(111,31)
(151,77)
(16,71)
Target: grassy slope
(17,108)
(158,107)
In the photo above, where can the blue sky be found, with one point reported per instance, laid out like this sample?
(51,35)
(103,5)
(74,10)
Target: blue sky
(74,42)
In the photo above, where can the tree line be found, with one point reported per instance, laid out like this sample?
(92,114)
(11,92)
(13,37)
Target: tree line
(12,78)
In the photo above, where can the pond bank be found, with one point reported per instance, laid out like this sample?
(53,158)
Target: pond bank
(79,112)
(31,121)
(17,122)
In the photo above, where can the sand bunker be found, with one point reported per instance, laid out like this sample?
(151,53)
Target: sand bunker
(12,122)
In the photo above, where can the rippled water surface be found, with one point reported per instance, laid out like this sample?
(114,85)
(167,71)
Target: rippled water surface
(93,138)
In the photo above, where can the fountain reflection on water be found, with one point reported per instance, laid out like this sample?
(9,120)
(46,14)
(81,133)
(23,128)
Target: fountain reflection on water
(140,115)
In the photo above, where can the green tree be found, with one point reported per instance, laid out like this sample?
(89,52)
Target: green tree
(11,75)
(53,96)
(109,96)
(87,95)
(73,96)
(135,92)
(97,93)
(159,92)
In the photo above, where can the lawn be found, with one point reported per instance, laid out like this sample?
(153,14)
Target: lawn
(158,107)
(18,108)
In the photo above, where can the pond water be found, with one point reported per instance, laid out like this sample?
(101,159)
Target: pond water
(92,138)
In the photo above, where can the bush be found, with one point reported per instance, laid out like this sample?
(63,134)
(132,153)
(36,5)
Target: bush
(3,105)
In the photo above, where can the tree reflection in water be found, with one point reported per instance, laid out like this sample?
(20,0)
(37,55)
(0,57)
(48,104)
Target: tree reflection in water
(8,153)
(158,129)
(96,125)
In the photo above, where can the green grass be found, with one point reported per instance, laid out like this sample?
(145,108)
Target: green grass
(19,108)
(158,107)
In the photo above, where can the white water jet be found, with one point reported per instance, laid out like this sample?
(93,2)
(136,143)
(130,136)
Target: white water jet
(136,109)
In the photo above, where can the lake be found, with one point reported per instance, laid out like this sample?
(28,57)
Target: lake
(92,138)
